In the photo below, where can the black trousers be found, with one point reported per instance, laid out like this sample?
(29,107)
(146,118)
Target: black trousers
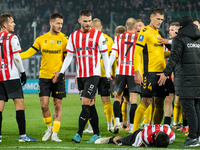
(191,109)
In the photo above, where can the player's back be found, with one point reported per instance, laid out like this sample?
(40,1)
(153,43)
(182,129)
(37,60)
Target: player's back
(124,44)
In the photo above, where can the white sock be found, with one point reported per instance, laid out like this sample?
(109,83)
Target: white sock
(49,127)
(54,134)
(117,120)
(109,123)
(131,127)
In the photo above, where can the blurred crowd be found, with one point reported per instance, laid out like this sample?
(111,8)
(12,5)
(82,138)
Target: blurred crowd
(39,11)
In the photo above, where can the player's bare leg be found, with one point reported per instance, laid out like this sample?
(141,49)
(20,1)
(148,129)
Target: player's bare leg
(169,108)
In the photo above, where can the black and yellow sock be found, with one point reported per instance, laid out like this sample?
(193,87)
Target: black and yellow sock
(176,113)
(56,126)
(139,116)
(147,118)
(47,121)
(132,112)
(124,112)
(108,110)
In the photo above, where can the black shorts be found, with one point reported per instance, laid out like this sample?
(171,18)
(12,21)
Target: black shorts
(151,88)
(170,85)
(128,140)
(10,89)
(88,85)
(122,80)
(103,87)
(126,93)
(47,87)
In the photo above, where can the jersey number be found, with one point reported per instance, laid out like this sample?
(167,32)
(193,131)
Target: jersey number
(131,44)
(1,49)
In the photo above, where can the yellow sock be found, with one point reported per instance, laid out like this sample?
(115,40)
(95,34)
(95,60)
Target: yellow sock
(139,114)
(147,118)
(47,121)
(108,111)
(88,121)
(124,112)
(180,113)
(158,114)
(56,126)
(176,113)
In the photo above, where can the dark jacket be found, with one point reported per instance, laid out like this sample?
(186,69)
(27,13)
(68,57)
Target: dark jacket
(186,53)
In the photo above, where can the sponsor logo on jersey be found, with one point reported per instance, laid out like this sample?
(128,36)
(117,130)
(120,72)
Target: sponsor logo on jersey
(59,42)
(51,51)
(193,45)
(104,42)
(141,37)
(158,45)
(52,41)
(45,41)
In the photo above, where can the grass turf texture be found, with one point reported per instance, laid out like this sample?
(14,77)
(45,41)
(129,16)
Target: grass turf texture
(35,126)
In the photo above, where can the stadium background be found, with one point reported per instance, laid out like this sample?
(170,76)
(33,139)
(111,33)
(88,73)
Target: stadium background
(111,12)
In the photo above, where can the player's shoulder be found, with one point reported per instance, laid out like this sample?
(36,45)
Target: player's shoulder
(145,30)
(63,35)
(108,38)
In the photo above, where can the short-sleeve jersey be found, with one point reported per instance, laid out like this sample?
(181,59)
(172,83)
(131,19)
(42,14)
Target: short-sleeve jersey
(109,43)
(52,48)
(124,44)
(87,48)
(150,51)
(150,130)
(9,45)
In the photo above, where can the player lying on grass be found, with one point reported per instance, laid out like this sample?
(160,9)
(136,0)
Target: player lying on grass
(153,135)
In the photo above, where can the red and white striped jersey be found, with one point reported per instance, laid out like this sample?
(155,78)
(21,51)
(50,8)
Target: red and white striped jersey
(87,47)
(148,131)
(9,45)
(124,44)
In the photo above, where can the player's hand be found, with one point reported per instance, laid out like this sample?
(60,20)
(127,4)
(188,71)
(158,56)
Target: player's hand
(23,78)
(75,80)
(61,77)
(162,79)
(55,78)
(162,40)
(138,78)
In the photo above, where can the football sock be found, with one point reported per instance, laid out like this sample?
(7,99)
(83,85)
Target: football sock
(83,118)
(56,126)
(20,117)
(94,119)
(147,118)
(140,114)
(180,113)
(185,122)
(116,108)
(132,112)
(167,120)
(176,112)
(111,139)
(158,114)
(47,121)
(0,121)
(108,110)
(124,112)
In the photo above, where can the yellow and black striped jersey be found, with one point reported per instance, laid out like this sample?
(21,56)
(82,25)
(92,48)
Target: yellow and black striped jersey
(109,43)
(149,51)
(52,49)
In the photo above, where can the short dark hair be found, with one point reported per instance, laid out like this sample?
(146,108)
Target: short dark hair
(156,11)
(162,140)
(4,18)
(195,19)
(120,29)
(84,13)
(55,15)
(140,20)
(175,24)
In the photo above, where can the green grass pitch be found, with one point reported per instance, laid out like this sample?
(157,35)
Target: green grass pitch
(35,126)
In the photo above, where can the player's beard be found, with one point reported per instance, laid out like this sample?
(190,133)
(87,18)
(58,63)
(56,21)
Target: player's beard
(86,29)
(53,29)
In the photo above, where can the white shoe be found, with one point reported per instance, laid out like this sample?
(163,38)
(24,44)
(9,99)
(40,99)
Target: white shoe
(88,130)
(116,128)
(55,139)
(47,134)
(110,129)
(102,140)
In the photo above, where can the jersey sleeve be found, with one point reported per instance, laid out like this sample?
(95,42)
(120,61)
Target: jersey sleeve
(140,44)
(16,48)
(69,46)
(102,44)
(114,46)
(65,41)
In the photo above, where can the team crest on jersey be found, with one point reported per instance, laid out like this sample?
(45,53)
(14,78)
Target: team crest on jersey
(59,42)
(141,37)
